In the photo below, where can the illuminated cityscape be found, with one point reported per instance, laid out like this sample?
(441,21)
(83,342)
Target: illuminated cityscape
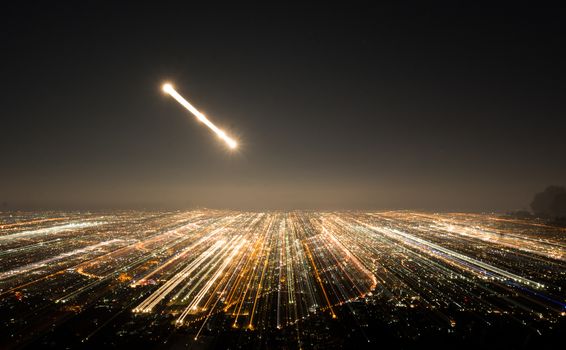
(319,175)
(301,279)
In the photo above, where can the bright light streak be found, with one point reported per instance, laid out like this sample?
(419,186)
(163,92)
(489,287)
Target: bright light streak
(51,230)
(168,88)
(276,269)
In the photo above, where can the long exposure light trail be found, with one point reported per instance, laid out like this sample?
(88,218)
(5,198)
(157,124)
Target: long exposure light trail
(169,89)
(50,230)
(204,269)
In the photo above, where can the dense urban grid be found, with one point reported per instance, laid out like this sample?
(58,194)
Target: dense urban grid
(300,279)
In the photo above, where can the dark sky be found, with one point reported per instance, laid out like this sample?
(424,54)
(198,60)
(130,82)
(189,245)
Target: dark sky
(456,107)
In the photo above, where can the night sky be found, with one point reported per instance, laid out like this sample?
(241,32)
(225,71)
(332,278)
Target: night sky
(456,107)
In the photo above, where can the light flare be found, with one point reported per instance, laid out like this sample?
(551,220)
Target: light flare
(169,89)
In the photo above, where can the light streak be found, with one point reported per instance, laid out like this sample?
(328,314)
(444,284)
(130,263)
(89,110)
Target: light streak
(169,89)
(276,269)
(63,256)
(51,230)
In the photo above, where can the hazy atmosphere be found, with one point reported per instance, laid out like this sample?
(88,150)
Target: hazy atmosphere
(453,108)
(282,177)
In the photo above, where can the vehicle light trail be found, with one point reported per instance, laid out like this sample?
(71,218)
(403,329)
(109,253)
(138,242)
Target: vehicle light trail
(168,88)
(277,273)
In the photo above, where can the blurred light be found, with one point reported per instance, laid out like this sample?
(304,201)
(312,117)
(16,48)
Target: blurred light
(169,89)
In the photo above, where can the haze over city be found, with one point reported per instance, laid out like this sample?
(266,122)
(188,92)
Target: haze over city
(452,107)
(185,176)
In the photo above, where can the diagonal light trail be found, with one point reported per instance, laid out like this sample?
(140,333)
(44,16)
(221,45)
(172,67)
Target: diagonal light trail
(168,88)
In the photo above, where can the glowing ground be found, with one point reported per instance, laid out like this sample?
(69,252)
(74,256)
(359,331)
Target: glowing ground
(269,272)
